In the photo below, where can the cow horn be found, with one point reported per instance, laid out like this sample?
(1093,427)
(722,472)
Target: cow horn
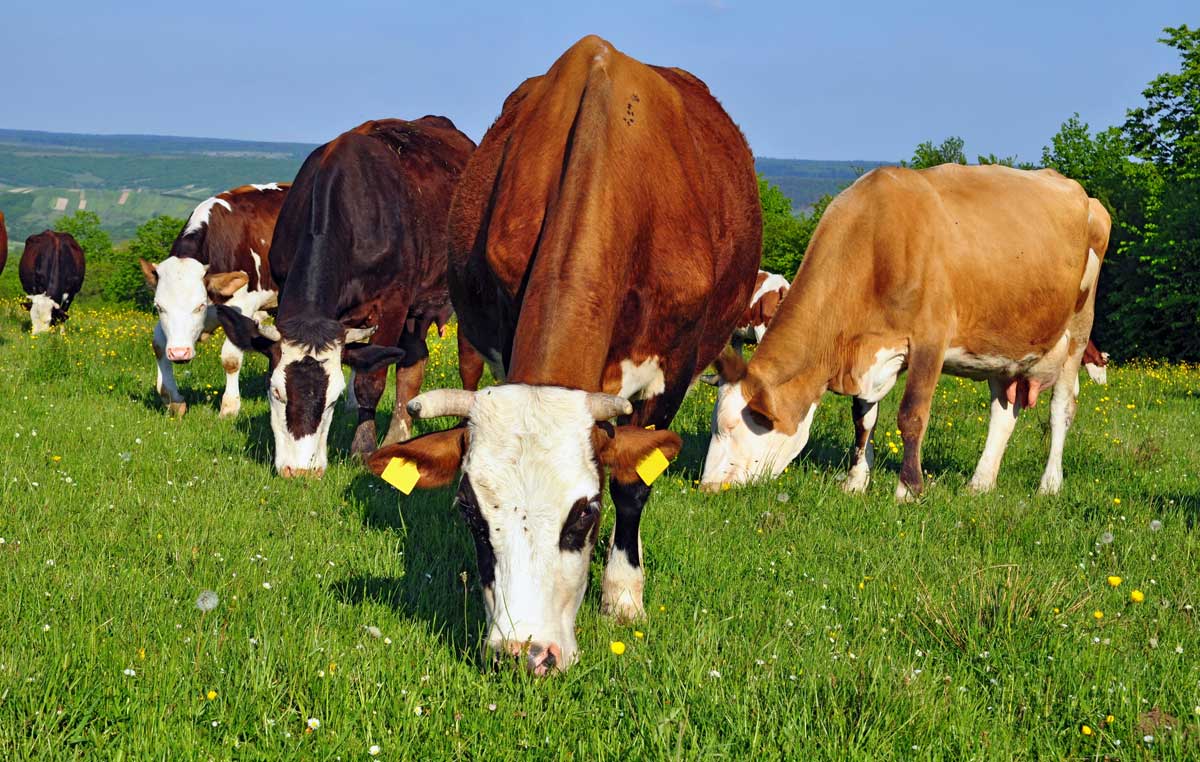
(604,406)
(356,335)
(439,402)
(270,331)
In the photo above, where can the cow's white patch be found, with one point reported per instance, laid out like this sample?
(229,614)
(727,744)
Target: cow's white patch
(641,380)
(1091,272)
(308,452)
(741,450)
(880,377)
(257,264)
(1000,429)
(859,477)
(202,211)
(530,459)
(622,585)
(1098,373)
(181,301)
(41,312)
(265,186)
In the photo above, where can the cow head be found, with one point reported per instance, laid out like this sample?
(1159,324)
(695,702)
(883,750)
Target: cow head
(532,461)
(304,383)
(757,430)
(181,295)
(44,313)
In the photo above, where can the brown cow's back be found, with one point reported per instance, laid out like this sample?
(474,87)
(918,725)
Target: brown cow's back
(610,213)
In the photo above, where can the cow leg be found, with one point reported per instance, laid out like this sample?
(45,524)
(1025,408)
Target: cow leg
(924,369)
(164,381)
(862,455)
(408,385)
(1000,429)
(470,363)
(368,388)
(231,361)
(1062,414)
(351,403)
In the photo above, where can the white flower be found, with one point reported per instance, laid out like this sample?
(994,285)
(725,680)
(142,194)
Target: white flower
(714,673)
(313,723)
(374,631)
(45,628)
(266,586)
(1147,738)
(207,601)
(387,641)
(1106,538)
(130,673)
(1155,525)
(1178,649)
(374,750)
(49,562)
(418,711)
(492,708)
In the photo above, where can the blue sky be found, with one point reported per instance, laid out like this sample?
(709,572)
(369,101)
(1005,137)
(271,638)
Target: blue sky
(830,80)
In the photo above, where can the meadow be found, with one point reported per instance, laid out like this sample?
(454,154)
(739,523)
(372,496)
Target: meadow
(786,620)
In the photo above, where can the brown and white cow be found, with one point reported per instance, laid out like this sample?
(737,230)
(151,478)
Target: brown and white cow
(982,272)
(769,291)
(221,256)
(1095,363)
(359,252)
(51,270)
(603,244)
(3,243)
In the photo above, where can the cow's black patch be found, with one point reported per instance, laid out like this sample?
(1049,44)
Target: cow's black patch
(312,331)
(306,385)
(629,499)
(581,526)
(478,525)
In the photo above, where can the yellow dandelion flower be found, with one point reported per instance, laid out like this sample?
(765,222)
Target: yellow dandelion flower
(617,647)
(1109,719)
(1116,500)
(639,634)
(1114,580)
(1137,596)
(211,695)
(1097,615)
(1086,730)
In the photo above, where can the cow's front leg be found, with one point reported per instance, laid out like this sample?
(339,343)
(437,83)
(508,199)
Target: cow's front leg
(862,455)
(164,381)
(231,361)
(1000,429)
(368,388)
(408,385)
(924,369)
(623,582)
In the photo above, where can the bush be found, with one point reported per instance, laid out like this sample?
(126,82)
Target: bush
(152,242)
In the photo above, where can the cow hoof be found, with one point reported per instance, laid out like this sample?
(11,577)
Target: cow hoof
(177,409)
(856,483)
(623,608)
(980,486)
(1051,485)
(906,495)
(230,408)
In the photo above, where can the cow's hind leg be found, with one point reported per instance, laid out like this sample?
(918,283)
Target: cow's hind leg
(408,385)
(368,388)
(924,369)
(1000,428)
(862,455)
(231,361)
(470,363)
(1062,414)
(164,380)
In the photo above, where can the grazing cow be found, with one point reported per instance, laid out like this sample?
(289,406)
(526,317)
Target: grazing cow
(603,244)
(981,272)
(769,291)
(51,273)
(3,243)
(359,251)
(1096,364)
(220,257)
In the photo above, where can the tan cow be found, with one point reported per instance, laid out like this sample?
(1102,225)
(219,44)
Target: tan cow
(982,272)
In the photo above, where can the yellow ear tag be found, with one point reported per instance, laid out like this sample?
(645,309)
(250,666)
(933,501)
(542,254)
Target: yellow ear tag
(652,466)
(401,474)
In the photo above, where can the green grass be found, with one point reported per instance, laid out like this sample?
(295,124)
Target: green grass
(786,620)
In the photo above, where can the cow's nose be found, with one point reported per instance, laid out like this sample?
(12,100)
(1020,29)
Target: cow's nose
(287,472)
(180,354)
(713,486)
(538,658)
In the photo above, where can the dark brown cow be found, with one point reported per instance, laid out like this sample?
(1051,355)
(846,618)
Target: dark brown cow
(52,269)
(221,256)
(3,243)
(359,251)
(603,244)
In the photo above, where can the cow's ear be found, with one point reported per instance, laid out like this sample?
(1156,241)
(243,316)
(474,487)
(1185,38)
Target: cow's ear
(221,286)
(436,458)
(731,366)
(27,305)
(761,402)
(366,358)
(149,273)
(244,332)
(629,445)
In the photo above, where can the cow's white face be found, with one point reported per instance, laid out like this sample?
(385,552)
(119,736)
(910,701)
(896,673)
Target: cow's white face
(530,494)
(744,447)
(41,313)
(303,387)
(181,300)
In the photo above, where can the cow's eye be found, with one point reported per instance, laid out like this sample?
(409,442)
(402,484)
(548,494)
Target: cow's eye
(581,525)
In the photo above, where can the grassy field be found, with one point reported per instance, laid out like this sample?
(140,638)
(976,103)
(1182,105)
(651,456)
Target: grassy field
(786,620)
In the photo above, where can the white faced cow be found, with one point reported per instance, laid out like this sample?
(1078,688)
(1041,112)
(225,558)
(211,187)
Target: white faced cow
(220,257)
(982,272)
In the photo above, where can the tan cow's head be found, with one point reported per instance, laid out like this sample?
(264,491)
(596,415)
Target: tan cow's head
(532,461)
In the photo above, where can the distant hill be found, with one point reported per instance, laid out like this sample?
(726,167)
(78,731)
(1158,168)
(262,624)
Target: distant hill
(126,179)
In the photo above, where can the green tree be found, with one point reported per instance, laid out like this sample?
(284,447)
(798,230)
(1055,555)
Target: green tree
(151,242)
(85,227)
(785,235)
(928,155)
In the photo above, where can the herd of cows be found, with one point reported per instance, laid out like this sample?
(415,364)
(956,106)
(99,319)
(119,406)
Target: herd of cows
(600,248)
